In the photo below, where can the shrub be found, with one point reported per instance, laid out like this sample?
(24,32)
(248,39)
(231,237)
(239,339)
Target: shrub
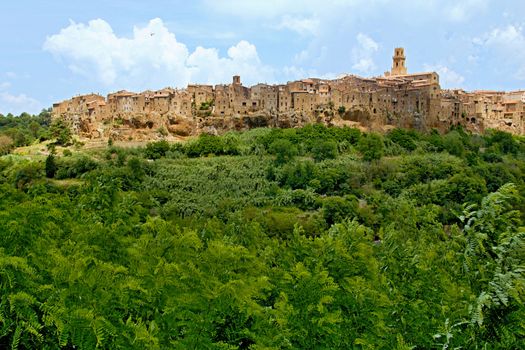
(156,150)
(453,143)
(371,147)
(51,166)
(404,138)
(61,132)
(209,144)
(283,150)
(324,150)
(74,168)
(6,144)
(337,209)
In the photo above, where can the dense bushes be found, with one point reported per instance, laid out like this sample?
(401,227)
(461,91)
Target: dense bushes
(22,130)
(293,239)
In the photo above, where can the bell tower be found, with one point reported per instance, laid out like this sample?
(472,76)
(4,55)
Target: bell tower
(398,62)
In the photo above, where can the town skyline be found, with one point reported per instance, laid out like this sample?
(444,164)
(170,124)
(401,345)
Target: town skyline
(68,49)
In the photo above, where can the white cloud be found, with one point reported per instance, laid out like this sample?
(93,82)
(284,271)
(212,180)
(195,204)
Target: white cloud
(5,85)
(508,44)
(205,65)
(151,58)
(367,43)
(465,9)
(294,72)
(509,36)
(301,56)
(363,52)
(303,26)
(276,8)
(365,65)
(447,77)
(17,104)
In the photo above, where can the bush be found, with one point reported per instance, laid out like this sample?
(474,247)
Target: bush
(74,168)
(6,144)
(337,209)
(324,150)
(27,174)
(453,143)
(51,166)
(156,150)
(371,147)
(61,132)
(209,144)
(283,150)
(502,142)
(404,138)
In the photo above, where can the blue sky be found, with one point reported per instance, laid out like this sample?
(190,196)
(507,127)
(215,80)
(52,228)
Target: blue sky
(52,50)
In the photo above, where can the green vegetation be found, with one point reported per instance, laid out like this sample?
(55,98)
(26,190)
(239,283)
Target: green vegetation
(22,130)
(312,238)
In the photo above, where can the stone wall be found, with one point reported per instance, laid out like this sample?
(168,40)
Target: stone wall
(397,99)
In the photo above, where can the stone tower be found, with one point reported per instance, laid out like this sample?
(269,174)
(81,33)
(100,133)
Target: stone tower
(236,80)
(398,62)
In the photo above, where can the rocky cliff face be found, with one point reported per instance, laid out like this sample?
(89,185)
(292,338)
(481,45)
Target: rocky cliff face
(133,127)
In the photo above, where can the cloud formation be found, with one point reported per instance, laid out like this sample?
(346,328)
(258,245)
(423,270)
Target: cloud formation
(152,57)
(448,78)
(362,54)
(16,104)
(463,10)
(508,44)
(300,25)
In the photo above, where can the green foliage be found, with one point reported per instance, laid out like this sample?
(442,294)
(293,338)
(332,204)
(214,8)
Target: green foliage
(324,150)
(422,248)
(371,147)
(61,132)
(405,138)
(73,167)
(22,130)
(156,150)
(453,143)
(502,142)
(283,150)
(6,144)
(206,105)
(51,166)
(208,144)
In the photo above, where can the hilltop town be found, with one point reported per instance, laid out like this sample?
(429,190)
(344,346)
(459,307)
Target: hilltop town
(396,99)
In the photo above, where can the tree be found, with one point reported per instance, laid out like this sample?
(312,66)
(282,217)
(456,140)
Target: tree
(6,144)
(324,150)
(371,146)
(156,150)
(51,166)
(61,132)
(283,150)
(34,127)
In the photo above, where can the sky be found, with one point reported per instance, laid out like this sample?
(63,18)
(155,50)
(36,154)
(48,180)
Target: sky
(53,50)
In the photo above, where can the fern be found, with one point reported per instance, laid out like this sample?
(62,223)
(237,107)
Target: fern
(16,338)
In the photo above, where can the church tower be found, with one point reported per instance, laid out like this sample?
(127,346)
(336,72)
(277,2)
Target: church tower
(398,62)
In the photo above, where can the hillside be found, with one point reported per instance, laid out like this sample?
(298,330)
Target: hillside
(311,238)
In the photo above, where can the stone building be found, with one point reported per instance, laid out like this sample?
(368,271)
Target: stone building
(397,99)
